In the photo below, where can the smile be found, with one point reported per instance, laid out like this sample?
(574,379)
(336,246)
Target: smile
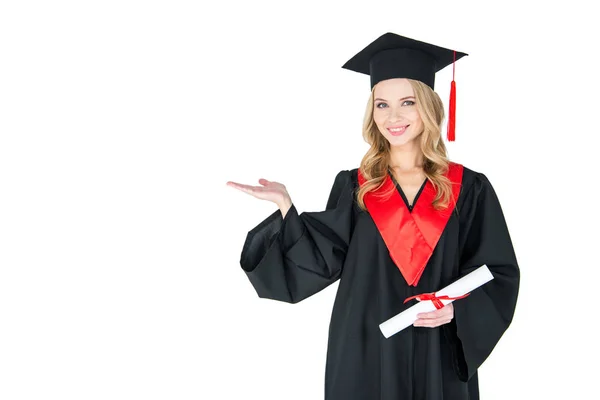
(397,130)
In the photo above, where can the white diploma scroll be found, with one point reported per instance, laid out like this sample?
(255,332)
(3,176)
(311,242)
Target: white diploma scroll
(464,285)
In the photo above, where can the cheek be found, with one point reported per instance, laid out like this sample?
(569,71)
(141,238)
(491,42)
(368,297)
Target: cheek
(379,119)
(414,115)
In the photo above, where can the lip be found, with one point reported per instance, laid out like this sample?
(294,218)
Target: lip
(397,133)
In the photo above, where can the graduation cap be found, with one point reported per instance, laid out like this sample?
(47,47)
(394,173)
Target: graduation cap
(394,56)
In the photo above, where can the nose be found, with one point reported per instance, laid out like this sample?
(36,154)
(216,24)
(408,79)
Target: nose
(395,114)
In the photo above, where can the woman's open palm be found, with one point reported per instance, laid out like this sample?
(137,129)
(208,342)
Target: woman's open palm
(270,191)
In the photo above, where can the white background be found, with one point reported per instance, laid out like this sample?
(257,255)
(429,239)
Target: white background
(121,121)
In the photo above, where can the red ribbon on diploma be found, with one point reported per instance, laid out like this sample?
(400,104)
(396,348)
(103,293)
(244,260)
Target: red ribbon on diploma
(436,300)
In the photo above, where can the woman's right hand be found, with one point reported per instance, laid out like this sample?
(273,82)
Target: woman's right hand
(271,191)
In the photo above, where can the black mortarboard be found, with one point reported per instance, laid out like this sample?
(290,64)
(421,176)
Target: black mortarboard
(394,56)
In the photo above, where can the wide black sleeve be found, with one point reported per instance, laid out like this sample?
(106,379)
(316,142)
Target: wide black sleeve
(289,259)
(482,318)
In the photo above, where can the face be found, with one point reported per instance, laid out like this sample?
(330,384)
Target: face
(395,111)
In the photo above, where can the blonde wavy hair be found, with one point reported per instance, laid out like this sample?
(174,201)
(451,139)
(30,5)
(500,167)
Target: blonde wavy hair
(374,165)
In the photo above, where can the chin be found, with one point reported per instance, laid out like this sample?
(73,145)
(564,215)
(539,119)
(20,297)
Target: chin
(400,140)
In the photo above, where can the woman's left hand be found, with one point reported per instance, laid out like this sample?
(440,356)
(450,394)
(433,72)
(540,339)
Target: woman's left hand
(435,318)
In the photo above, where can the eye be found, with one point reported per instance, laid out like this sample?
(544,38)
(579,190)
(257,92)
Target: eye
(411,103)
(380,104)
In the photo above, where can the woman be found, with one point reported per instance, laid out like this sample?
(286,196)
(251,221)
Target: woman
(407,222)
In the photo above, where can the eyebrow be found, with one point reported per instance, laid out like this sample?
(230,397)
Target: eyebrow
(404,98)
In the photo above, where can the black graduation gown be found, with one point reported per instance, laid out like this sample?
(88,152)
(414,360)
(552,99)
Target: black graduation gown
(289,259)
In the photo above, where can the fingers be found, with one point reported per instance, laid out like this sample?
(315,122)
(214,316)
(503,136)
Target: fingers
(233,184)
(244,188)
(435,318)
(441,313)
(447,310)
(237,185)
(266,182)
(430,315)
(431,323)
(270,191)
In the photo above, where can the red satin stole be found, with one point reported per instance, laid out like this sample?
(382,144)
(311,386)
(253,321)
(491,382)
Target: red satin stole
(411,237)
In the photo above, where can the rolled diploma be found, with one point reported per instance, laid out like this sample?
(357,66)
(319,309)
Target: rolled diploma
(461,287)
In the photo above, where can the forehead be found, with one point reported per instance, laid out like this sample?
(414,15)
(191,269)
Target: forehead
(394,88)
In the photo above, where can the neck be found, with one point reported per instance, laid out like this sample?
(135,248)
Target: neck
(406,159)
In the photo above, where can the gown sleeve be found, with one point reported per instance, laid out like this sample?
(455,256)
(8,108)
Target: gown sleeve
(289,259)
(482,318)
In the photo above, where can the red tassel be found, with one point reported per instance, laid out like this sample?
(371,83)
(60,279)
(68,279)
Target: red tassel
(452,113)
